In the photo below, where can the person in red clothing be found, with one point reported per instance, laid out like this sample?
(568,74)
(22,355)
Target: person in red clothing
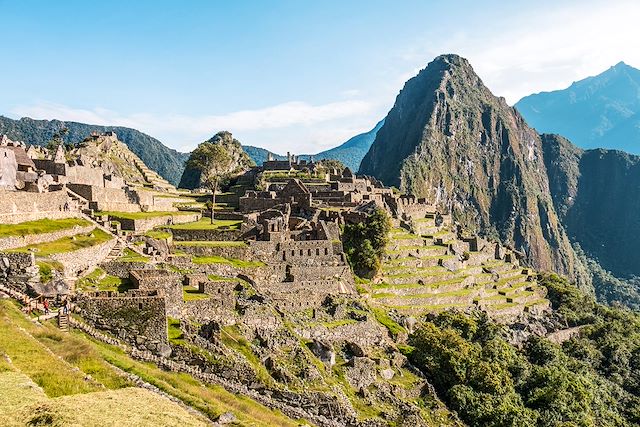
(46,306)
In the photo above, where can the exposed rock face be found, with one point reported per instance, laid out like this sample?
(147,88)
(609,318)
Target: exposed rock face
(597,196)
(240,159)
(450,140)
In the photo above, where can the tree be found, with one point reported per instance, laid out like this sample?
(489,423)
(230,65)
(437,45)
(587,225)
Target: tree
(214,163)
(364,242)
(57,139)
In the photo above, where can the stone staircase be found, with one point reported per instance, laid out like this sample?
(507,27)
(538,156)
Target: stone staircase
(116,251)
(81,203)
(149,175)
(63,321)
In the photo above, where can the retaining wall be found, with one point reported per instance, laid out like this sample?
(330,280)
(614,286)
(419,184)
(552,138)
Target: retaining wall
(20,206)
(75,262)
(32,239)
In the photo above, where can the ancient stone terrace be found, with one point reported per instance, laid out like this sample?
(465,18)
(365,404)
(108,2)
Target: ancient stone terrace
(343,190)
(429,267)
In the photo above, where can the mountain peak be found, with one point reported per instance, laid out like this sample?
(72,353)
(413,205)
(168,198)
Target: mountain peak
(621,66)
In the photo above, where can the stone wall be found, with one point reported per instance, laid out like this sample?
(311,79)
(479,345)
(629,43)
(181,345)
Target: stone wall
(138,318)
(77,261)
(121,269)
(237,252)
(306,251)
(219,306)
(18,206)
(206,235)
(170,284)
(32,239)
(18,269)
(147,224)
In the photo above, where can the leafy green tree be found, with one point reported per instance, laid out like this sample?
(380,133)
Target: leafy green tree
(57,139)
(364,242)
(214,163)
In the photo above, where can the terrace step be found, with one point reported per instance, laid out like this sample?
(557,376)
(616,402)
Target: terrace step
(63,321)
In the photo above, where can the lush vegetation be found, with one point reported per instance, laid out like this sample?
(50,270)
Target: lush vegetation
(130,256)
(40,226)
(364,242)
(591,380)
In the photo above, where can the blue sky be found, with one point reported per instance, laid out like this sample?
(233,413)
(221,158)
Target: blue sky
(296,76)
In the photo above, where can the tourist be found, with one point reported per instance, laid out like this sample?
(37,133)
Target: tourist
(46,306)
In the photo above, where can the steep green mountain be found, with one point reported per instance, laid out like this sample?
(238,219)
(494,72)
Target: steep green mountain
(165,161)
(450,140)
(238,160)
(353,150)
(260,155)
(350,153)
(598,112)
(597,195)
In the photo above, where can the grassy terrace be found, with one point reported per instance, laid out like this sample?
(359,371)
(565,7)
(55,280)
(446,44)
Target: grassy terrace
(205,224)
(140,215)
(68,244)
(99,280)
(404,248)
(231,261)
(459,293)
(40,226)
(130,256)
(59,363)
(157,234)
(193,294)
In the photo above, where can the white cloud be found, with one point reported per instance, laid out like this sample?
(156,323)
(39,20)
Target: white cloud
(545,49)
(541,47)
(184,132)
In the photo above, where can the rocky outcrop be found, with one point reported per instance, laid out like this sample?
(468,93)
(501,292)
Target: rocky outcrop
(240,160)
(450,140)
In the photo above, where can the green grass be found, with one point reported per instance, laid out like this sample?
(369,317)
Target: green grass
(157,234)
(205,224)
(383,318)
(192,294)
(32,358)
(231,261)
(231,337)
(140,215)
(130,256)
(212,244)
(215,277)
(338,323)
(68,244)
(46,269)
(40,226)
(176,336)
(99,280)
(211,400)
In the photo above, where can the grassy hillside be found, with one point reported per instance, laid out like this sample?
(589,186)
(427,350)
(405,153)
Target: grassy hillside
(50,377)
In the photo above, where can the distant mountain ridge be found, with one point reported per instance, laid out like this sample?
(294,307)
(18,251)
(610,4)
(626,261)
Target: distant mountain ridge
(167,162)
(602,111)
(350,152)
